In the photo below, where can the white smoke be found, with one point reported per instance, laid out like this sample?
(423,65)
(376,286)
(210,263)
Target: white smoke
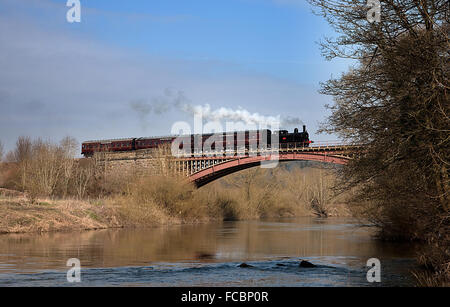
(159,104)
(173,99)
(228,114)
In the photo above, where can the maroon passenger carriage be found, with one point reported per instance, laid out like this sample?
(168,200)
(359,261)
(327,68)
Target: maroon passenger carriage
(206,143)
(120,145)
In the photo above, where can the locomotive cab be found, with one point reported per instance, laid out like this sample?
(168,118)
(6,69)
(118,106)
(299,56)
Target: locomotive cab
(295,139)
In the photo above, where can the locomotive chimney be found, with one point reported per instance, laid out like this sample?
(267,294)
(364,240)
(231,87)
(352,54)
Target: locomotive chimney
(304,128)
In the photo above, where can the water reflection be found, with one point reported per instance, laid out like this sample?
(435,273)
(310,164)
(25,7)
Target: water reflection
(333,241)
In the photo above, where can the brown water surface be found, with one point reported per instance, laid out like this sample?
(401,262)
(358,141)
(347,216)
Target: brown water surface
(208,254)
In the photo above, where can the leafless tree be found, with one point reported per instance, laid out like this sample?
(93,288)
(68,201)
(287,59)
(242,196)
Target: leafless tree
(69,147)
(45,169)
(22,155)
(395,101)
(84,175)
(23,149)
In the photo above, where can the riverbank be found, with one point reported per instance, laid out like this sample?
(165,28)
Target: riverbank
(18,214)
(86,196)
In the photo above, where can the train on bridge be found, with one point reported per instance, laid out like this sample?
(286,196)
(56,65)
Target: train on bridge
(237,140)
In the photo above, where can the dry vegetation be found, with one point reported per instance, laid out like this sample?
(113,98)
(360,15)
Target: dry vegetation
(249,194)
(19,215)
(45,189)
(288,190)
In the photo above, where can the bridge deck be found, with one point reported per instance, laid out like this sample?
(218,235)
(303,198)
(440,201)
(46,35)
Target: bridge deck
(329,148)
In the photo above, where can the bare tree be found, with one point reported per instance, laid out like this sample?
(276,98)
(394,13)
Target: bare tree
(45,169)
(84,174)
(395,101)
(23,149)
(69,147)
(22,155)
(1,151)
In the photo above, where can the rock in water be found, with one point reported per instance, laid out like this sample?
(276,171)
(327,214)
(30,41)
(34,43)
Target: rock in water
(306,264)
(245,265)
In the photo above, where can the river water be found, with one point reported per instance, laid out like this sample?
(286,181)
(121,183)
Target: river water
(208,255)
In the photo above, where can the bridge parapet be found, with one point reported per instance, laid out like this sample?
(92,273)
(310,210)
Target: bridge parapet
(322,147)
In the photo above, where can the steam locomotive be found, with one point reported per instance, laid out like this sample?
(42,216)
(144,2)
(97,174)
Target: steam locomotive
(230,141)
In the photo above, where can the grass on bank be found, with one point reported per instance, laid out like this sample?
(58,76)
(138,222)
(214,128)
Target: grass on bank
(155,200)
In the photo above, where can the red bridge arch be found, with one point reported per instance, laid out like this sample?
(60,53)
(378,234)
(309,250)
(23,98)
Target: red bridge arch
(214,172)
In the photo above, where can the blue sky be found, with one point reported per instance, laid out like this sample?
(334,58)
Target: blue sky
(130,68)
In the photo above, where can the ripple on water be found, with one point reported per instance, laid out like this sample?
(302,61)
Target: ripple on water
(261,273)
(176,256)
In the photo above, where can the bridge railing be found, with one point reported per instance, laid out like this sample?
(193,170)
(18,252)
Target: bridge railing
(330,145)
(335,143)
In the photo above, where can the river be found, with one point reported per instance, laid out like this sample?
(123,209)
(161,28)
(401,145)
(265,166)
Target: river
(208,255)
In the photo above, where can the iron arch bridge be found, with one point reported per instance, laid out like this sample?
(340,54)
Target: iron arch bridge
(205,168)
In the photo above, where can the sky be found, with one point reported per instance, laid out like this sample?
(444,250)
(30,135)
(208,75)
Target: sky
(135,68)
